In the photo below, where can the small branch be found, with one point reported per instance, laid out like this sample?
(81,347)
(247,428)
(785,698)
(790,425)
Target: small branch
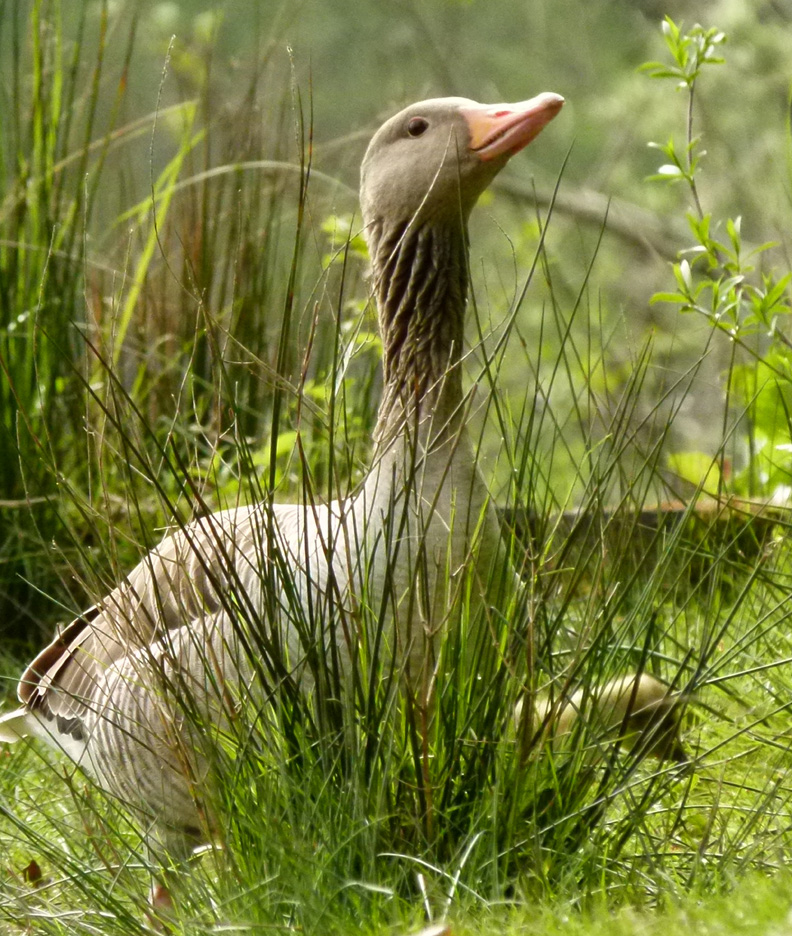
(693,188)
(630,222)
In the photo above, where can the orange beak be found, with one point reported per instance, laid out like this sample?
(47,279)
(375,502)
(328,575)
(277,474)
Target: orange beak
(504,129)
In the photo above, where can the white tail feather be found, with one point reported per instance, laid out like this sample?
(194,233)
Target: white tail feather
(14,725)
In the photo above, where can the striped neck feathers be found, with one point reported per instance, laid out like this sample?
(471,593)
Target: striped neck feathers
(421,279)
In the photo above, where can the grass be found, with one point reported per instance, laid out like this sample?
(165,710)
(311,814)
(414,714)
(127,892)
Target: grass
(224,349)
(756,906)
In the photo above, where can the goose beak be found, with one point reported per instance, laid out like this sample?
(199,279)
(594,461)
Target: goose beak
(504,129)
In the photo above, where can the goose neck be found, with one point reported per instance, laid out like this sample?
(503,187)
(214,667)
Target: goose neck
(421,284)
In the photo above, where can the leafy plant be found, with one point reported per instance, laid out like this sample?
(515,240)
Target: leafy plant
(718,278)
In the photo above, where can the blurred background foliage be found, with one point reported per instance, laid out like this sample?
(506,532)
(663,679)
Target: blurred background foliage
(174,340)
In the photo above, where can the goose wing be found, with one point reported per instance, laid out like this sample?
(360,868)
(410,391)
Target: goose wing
(181,578)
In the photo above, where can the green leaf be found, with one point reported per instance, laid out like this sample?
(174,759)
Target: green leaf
(657,68)
(676,298)
(697,468)
(733,230)
(683,271)
(774,294)
(670,28)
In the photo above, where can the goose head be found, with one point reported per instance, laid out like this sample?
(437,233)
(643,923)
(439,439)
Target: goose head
(432,160)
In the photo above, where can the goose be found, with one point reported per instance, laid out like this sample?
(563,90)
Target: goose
(241,603)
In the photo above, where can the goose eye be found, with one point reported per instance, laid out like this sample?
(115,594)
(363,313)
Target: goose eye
(416,126)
